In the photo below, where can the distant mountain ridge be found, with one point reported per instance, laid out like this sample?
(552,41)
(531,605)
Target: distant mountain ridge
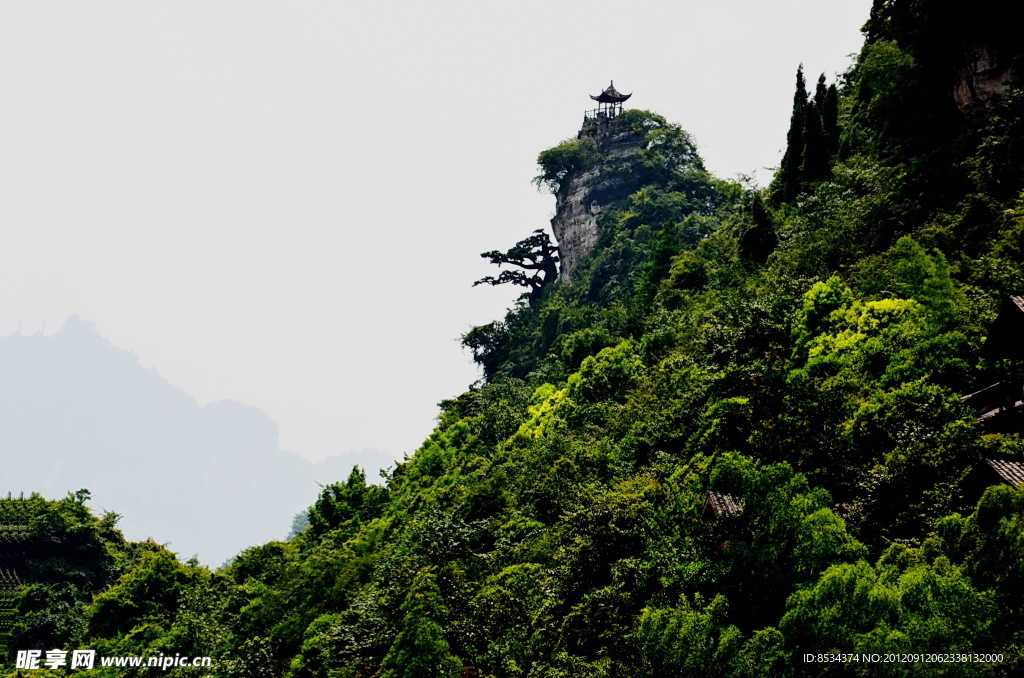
(76,412)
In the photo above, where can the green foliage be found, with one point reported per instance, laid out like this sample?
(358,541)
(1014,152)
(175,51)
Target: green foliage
(345,506)
(147,593)
(901,605)
(687,641)
(787,534)
(987,545)
(885,84)
(62,555)
(572,155)
(805,358)
(420,649)
(607,376)
(997,168)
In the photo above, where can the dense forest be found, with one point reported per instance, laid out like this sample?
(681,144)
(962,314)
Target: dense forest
(738,435)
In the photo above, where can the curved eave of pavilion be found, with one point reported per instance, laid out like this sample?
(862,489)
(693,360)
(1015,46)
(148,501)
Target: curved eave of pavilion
(606,98)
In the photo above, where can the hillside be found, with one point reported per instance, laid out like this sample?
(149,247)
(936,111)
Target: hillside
(732,435)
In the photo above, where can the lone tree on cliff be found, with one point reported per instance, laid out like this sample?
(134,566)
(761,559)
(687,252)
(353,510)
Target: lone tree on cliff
(536,254)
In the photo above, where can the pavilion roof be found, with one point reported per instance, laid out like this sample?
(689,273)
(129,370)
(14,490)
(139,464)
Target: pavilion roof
(611,95)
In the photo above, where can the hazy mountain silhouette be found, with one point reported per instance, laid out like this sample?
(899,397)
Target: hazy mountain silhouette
(76,412)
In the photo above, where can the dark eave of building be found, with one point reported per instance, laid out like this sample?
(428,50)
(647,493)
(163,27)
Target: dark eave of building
(1012,472)
(610,96)
(1006,336)
(722,506)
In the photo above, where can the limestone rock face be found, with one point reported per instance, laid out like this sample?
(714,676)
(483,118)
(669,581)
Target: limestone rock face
(982,81)
(585,193)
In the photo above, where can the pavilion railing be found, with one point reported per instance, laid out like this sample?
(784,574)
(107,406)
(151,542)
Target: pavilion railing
(607,111)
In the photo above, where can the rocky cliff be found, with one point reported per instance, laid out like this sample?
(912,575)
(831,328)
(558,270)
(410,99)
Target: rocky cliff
(590,189)
(982,80)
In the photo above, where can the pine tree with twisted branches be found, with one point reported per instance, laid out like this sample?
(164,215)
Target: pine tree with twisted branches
(536,253)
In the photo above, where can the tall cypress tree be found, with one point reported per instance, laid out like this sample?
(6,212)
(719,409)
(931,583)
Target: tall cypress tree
(819,94)
(816,145)
(759,240)
(787,181)
(830,119)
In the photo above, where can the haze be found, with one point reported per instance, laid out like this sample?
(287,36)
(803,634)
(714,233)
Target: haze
(283,204)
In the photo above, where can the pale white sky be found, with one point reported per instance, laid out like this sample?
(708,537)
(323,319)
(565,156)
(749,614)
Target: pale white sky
(283,203)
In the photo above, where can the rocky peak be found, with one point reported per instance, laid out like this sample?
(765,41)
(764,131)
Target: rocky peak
(587,191)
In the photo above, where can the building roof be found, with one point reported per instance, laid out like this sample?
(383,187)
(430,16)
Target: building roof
(1011,472)
(722,505)
(611,96)
(1006,336)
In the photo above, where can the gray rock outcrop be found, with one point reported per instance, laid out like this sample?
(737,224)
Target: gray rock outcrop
(584,194)
(981,81)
